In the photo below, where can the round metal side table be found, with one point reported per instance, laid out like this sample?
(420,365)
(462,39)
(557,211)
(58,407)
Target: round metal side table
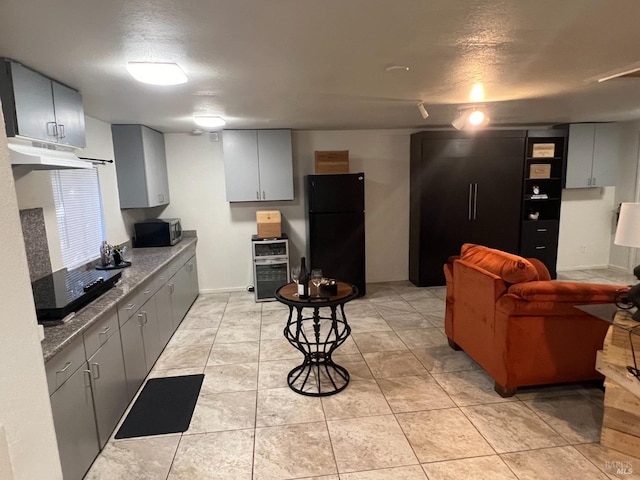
(317,336)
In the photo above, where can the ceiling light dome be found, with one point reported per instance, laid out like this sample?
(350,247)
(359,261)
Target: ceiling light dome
(157,73)
(209,121)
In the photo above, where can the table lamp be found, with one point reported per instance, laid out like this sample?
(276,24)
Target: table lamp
(628,235)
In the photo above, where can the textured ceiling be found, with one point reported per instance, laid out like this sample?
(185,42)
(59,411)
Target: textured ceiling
(306,64)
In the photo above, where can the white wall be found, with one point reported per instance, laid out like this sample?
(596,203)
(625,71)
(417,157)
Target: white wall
(25,411)
(586,220)
(626,188)
(196,184)
(100,146)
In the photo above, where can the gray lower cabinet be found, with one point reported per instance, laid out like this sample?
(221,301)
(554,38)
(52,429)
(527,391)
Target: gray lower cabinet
(184,290)
(133,352)
(166,325)
(72,409)
(148,316)
(141,344)
(93,380)
(109,386)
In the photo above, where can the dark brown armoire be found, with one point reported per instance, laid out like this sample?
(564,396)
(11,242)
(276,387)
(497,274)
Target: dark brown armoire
(466,187)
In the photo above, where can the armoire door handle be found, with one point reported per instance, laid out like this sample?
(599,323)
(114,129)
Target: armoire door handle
(475,201)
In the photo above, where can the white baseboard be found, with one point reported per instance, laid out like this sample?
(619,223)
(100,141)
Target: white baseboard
(581,267)
(223,290)
(618,268)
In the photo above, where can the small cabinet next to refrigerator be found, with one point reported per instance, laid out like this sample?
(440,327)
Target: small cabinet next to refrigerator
(270,266)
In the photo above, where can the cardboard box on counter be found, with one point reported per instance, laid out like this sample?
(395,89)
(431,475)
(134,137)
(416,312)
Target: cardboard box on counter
(269,223)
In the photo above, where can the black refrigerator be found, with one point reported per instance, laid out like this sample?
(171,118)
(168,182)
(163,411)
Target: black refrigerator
(335,226)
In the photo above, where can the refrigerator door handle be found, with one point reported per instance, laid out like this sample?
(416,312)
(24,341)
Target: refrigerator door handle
(470,200)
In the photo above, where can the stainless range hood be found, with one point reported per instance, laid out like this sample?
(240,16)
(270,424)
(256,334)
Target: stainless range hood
(36,158)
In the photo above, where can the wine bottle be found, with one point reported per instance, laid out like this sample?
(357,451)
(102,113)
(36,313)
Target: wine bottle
(303,280)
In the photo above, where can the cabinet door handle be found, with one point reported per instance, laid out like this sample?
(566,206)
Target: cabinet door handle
(131,306)
(140,320)
(147,291)
(61,130)
(264,197)
(589,181)
(52,129)
(103,332)
(470,199)
(87,378)
(171,287)
(95,371)
(146,319)
(540,247)
(65,368)
(593,182)
(257,195)
(541,230)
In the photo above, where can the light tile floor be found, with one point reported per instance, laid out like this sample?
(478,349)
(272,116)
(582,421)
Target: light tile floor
(415,409)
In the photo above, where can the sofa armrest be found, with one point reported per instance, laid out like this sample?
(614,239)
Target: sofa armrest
(574,292)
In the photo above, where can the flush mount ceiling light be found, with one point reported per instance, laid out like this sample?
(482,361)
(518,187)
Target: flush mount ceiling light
(157,73)
(209,121)
(423,110)
(470,118)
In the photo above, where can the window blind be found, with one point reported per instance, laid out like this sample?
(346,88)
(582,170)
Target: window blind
(76,194)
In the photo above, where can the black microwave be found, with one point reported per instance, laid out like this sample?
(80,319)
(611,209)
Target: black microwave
(162,232)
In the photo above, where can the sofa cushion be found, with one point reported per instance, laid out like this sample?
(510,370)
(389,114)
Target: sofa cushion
(511,268)
(571,292)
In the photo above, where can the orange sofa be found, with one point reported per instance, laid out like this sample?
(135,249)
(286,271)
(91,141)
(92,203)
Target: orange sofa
(507,314)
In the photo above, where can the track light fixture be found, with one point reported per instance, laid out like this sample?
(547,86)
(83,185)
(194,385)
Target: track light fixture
(470,118)
(423,110)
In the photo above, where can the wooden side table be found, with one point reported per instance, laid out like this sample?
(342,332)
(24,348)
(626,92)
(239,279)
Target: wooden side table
(621,419)
(317,337)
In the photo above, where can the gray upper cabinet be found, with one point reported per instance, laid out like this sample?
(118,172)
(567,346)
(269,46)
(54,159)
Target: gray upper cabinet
(258,165)
(69,115)
(592,156)
(39,108)
(141,166)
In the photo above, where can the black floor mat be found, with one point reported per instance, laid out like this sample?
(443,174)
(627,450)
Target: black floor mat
(165,405)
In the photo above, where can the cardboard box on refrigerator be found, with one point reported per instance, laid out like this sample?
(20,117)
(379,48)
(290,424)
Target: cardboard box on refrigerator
(332,161)
(269,223)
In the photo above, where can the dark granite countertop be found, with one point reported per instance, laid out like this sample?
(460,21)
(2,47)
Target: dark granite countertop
(145,262)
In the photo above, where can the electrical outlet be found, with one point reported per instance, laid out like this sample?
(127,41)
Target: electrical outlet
(583,249)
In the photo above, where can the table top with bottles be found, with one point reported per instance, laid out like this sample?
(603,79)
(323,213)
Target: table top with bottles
(288,294)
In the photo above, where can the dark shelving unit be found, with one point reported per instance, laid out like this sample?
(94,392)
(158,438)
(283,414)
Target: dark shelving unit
(544,171)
